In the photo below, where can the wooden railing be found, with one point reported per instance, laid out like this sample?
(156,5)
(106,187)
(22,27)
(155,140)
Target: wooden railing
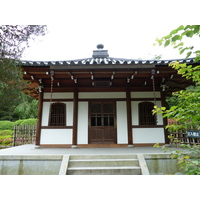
(24,134)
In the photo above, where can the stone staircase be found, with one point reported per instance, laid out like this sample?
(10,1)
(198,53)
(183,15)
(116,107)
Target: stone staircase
(104,165)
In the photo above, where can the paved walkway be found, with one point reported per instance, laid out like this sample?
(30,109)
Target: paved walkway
(31,150)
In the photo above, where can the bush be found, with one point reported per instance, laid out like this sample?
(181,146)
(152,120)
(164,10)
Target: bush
(5,137)
(6,133)
(6,125)
(19,122)
(7,118)
(7,142)
(30,121)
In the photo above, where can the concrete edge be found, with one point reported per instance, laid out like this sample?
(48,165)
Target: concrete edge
(157,156)
(64,165)
(143,165)
(31,157)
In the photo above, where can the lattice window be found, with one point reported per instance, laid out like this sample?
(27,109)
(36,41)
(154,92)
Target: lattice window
(145,114)
(102,114)
(96,108)
(108,108)
(57,114)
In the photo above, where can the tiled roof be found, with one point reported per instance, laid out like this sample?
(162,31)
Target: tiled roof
(101,57)
(104,61)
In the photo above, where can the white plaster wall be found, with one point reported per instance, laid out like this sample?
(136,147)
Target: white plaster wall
(145,94)
(101,95)
(45,113)
(122,133)
(59,95)
(69,113)
(82,123)
(135,113)
(148,135)
(56,136)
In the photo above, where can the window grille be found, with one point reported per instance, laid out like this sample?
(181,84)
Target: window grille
(145,114)
(57,114)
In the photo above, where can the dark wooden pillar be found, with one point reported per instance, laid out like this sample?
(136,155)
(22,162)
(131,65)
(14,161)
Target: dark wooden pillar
(163,102)
(39,121)
(75,120)
(129,118)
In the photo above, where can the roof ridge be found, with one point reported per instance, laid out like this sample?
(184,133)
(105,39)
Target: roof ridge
(107,60)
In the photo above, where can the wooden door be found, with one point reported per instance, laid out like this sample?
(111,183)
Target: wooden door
(102,123)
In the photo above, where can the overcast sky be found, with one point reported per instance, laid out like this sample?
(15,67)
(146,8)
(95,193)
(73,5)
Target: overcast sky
(126,28)
(122,40)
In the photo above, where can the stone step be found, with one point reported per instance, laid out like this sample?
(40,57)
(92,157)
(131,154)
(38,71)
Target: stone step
(103,162)
(105,156)
(104,171)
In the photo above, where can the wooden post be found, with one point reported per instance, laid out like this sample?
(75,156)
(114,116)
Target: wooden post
(163,102)
(129,118)
(75,120)
(39,121)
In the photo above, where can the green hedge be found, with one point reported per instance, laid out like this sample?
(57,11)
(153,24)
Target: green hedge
(7,125)
(6,133)
(30,121)
(19,122)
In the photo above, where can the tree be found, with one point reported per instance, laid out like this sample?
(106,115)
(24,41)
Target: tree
(13,41)
(187,110)
(175,38)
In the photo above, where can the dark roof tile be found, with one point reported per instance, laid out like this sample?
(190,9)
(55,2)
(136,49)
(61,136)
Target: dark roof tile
(104,61)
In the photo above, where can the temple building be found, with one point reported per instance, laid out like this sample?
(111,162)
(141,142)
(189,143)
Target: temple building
(101,101)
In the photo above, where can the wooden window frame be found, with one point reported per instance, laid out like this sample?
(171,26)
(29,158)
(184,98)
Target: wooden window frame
(59,120)
(146,118)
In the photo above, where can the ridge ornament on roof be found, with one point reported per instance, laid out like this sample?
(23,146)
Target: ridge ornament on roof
(100,53)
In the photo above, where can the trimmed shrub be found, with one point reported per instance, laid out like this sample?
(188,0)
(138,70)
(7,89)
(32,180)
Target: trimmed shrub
(6,125)
(30,121)
(19,122)
(6,133)
(5,137)
(7,142)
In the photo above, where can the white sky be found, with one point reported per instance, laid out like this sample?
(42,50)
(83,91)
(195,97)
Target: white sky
(127,28)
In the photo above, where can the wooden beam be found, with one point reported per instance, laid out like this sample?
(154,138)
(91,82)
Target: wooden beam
(39,121)
(163,103)
(129,118)
(75,119)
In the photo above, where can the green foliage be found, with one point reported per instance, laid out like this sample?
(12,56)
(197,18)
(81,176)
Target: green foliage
(6,138)
(188,71)
(186,111)
(6,125)
(19,122)
(6,133)
(27,108)
(6,142)
(188,159)
(6,130)
(13,41)
(24,108)
(177,35)
(29,122)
